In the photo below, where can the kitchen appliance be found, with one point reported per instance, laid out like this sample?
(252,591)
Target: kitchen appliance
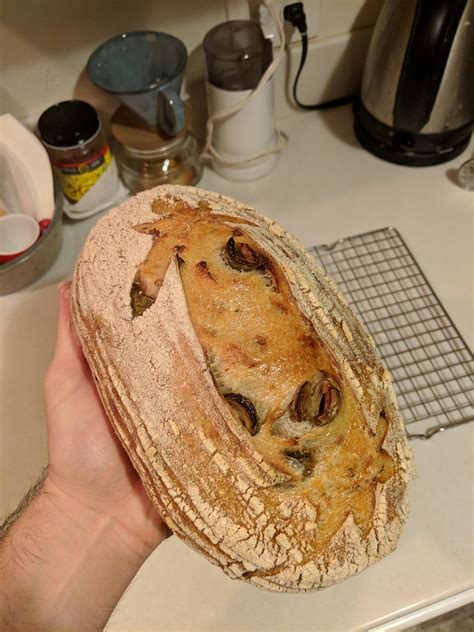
(242,140)
(416,105)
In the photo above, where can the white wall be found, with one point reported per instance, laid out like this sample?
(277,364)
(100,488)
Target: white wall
(342,16)
(44,44)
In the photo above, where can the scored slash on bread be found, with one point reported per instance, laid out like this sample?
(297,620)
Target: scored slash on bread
(247,394)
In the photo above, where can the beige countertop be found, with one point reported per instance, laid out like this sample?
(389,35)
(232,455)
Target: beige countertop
(324,187)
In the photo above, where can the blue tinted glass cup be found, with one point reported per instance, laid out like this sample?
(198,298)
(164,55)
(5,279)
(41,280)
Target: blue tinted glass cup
(144,69)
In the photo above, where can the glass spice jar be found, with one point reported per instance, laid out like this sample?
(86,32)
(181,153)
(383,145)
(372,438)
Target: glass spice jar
(72,133)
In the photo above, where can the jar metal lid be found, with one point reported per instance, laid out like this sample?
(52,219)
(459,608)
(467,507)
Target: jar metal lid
(69,124)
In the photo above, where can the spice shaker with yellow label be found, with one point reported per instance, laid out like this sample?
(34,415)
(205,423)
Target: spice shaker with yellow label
(77,146)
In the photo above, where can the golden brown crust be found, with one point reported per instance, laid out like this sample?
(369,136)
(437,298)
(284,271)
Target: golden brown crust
(229,494)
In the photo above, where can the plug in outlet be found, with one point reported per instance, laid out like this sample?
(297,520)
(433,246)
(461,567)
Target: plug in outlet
(311,9)
(255,9)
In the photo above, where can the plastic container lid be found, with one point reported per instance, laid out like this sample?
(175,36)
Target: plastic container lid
(237,55)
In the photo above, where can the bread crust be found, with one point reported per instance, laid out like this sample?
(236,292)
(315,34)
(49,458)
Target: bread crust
(200,468)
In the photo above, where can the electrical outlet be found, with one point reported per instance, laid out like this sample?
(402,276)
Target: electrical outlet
(311,9)
(255,9)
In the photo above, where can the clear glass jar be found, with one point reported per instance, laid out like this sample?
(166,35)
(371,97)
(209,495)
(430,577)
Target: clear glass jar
(144,169)
(145,158)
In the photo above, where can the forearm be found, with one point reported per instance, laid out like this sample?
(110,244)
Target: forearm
(64,565)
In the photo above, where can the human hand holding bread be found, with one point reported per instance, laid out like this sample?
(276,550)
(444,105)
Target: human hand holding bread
(86,461)
(75,542)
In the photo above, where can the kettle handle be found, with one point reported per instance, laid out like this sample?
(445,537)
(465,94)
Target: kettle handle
(432,34)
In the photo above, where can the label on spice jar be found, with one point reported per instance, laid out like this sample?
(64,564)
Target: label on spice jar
(77,178)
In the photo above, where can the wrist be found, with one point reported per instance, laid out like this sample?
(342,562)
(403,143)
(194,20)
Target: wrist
(99,521)
(71,559)
(127,507)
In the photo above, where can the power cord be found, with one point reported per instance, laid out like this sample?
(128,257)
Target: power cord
(294,13)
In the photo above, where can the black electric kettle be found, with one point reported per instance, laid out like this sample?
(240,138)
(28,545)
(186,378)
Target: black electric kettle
(416,105)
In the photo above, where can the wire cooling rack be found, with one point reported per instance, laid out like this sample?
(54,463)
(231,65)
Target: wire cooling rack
(430,362)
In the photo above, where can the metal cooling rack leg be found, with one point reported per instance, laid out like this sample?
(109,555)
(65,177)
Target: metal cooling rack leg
(435,429)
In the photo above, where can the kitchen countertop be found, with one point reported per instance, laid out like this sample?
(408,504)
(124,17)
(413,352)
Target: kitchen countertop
(324,187)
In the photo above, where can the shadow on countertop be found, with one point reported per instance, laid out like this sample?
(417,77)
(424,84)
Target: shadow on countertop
(340,121)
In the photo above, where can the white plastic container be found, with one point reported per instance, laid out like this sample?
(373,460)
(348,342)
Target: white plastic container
(243,144)
(245,133)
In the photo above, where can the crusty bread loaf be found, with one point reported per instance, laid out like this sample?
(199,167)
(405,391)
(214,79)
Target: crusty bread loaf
(245,391)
